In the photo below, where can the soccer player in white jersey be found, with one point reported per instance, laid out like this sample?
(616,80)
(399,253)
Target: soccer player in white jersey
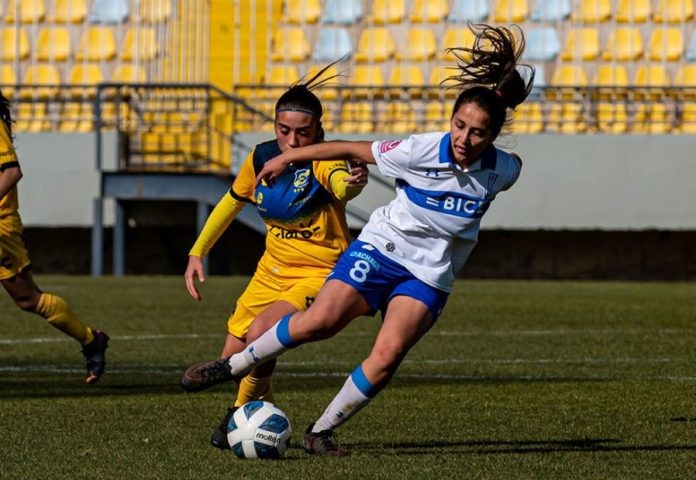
(407,256)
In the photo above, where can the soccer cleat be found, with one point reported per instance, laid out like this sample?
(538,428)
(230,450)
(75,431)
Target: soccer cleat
(94,355)
(321,443)
(219,437)
(205,375)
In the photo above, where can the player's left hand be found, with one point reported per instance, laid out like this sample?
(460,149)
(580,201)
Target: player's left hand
(359,175)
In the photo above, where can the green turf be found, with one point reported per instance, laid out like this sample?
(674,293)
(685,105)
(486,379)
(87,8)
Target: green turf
(517,380)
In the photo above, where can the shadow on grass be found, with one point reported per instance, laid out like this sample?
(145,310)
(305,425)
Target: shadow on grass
(520,447)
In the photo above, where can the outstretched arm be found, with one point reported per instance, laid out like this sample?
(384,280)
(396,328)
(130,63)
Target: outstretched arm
(9,178)
(359,151)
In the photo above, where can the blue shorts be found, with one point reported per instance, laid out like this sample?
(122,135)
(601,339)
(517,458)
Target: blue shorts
(379,279)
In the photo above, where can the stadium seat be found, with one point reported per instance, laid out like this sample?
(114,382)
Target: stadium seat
(551,10)
(46,76)
(53,44)
(688,119)
(624,44)
(409,76)
(528,118)
(368,80)
(691,49)
(7,80)
(440,76)
(14,44)
(279,78)
(674,11)
(633,11)
(665,44)
(508,11)
(419,45)
(542,44)
(592,11)
(357,117)
(332,44)
(32,117)
(154,11)
(97,44)
(651,118)
(68,11)
(437,116)
(399,117)
(611,81)
(685,78)
(128,73)
(85,74)
(458,37)
(375,45)
(464,11)
(581,44)
(388,11)
(567,118)
(327,91)
(139,44)
(76,117)
(342,12)
(429,11)
(30,11)
(302,11)
(655,78)
(612,118)
(290,44)
(567,79)
(109,11)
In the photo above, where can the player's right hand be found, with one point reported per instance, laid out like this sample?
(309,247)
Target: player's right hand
(194,267)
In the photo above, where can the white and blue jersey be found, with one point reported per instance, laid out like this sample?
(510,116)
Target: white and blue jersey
(432,225)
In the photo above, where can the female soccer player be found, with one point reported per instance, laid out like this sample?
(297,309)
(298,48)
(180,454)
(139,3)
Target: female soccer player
(406,257)
(15,267)
(307,232)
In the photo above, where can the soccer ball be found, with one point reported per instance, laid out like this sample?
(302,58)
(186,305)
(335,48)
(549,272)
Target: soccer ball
(259,430)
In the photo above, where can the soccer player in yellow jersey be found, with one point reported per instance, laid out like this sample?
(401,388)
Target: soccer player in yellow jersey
(304,214)
(15,267)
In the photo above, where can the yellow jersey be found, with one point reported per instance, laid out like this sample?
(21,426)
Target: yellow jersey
(306,223)
(9,214)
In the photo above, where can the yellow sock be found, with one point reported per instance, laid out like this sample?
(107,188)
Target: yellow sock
(58,313)
(251,388)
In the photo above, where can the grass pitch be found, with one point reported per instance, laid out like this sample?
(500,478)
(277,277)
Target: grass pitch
(517,380)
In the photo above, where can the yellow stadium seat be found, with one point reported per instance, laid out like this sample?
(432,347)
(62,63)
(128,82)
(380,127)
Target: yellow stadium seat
(581,44)
(357,117)
(459,38)
(440,76)
(611,80)
(567,79)
(624,44)
(655,78)
(69,11)
(388,11)
(369,79)
(290,45)
(507,11)
(688,119)
(666,44)
(76,117)
(32,117)
(592,11)
(528,118)
(686,79)
(375,45)
(85,74)
(431,11)
(7,79)
(53,44)
(674,11)
(43,75)
(437,116)
(155,11)
(14,44)
(97,44)
(398,118)
(302,11)
(407,75)
(612,118)
(30,11)
(277,79)
(128,73)
(327,91)
(633,11)
(566,118)
(419,45)
(139,45)
(651,118)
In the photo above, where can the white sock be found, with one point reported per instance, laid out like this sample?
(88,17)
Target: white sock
(275,341)
(356,392)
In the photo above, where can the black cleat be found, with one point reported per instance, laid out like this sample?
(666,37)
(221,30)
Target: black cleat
(94,355)
(205,375)
(321,443)
(219,437)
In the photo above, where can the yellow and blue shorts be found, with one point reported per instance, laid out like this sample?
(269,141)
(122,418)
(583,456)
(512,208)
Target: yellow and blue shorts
(13,254)
(273,283)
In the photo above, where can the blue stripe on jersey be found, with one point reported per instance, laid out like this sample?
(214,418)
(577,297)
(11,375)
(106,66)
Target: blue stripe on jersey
(363,384)
(445,156)
(283,332)
(449,203)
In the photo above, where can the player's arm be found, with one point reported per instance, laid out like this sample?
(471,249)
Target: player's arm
(359,151)
(347,184)
(10,174)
